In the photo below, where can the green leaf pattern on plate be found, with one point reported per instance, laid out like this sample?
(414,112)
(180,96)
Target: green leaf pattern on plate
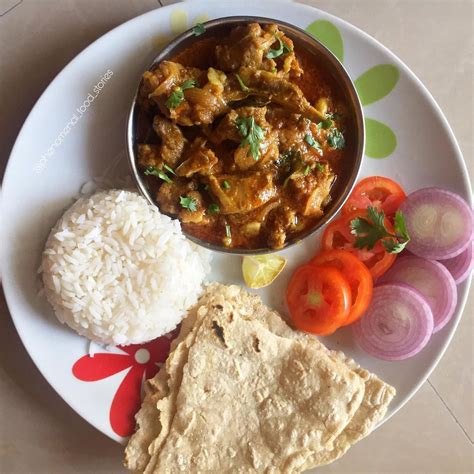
(329,35)
(380,140)
(376,83)
(373,85)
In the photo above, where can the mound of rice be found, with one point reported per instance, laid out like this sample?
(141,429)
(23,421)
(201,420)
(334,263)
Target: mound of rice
(119,272)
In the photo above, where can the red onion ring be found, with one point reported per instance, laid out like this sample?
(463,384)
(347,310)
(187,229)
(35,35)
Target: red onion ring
(461,266)
(432,280)
(397,325)
(439,222)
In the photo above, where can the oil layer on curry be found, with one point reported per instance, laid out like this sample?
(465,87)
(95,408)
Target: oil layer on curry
(242,138)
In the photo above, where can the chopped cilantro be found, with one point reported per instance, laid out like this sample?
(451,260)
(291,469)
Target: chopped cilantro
(177,96)
(198,29)
(333,116)
(242,85)
(168,168)
(283,48)
(336,139)
(214,209)
(307,170)
(320,167)
(225,184)
(312,142)
(252,135)
(152,171)
(325,124)
(188,203)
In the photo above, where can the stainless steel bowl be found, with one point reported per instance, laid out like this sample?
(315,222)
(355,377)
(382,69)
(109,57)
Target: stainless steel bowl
(301,39)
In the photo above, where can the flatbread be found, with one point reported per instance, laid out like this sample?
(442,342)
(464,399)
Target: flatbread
(288,437)
(283,399)
(158,406)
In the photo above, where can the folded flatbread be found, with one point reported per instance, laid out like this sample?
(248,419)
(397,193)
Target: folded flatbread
(243,392)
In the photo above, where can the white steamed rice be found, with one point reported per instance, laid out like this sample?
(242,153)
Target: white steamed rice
(119,272)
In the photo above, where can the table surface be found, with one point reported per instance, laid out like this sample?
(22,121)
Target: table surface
(434,432)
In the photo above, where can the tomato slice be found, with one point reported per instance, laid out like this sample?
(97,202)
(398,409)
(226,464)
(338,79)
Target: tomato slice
(337,235)
(376,191)
(319,299)
(357,275)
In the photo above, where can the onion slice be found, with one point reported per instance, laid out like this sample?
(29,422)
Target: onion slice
(439,223)
(461,266)
(432,280)
(397,325)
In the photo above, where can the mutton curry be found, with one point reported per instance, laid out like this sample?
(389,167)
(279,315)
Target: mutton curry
(242,138)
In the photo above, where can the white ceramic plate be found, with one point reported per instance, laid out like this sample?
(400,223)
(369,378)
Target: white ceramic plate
(76,132)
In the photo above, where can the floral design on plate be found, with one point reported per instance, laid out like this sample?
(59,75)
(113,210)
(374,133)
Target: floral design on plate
(373,85)
(142,360)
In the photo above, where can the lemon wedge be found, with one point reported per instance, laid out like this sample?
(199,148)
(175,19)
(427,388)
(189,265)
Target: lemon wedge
(261,270)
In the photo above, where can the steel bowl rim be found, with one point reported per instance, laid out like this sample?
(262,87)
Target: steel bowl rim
(345,82)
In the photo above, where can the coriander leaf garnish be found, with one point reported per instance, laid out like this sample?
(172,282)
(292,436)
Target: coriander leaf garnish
(400,225)
(188,203)
(177,96)
(307,170)
(169,169)
(252,135)
(312,142)
(401,232)
(152,171)
(242,85)
(283,48)
(333,116)
(369,231)
(320,167)
(336,139)
(188,84)
(325,124)
(198,29)
(226,184)
(214,209)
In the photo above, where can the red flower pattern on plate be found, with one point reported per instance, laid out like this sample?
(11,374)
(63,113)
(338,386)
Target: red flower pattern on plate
(143,361)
